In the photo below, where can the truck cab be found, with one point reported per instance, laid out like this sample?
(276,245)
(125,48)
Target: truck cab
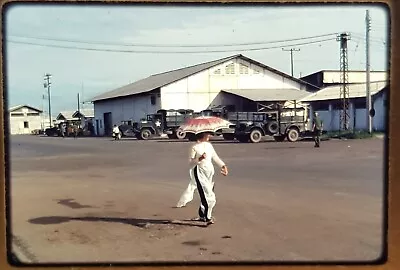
(164,122)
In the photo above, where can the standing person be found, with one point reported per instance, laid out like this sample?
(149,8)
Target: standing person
(202,171)
(62,130)
(317,128)
(75,132)
(116,132)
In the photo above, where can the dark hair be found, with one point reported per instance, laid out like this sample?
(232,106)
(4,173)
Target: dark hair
(202,135)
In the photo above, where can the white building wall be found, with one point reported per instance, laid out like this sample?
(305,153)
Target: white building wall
(202,90)
(130,108)
(354,77)
(331,118)
(17,125)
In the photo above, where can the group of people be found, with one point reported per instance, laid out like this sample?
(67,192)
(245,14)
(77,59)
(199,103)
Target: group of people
(66,130)
(201,172)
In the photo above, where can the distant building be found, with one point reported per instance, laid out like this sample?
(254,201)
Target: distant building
(66,116)
(23,119)
(328,104)
(226,81)
(326,78)
(86,116)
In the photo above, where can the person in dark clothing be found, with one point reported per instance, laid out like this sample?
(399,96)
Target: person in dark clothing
(317,128)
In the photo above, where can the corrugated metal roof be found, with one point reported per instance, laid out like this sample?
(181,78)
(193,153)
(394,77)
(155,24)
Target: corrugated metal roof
(258,95)
(14,108)
(355,91)
(67,115)
(162,79)
(85,112)
(159,80)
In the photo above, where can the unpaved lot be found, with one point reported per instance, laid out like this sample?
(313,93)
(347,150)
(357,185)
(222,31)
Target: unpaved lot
(96,200)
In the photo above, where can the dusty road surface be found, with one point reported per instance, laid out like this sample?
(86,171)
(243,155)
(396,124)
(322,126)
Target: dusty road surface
(97,200)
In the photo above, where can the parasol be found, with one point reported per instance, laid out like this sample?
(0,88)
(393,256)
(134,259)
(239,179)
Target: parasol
(204,124)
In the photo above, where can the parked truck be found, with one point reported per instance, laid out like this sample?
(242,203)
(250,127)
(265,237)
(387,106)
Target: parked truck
(277,121)
(163,122)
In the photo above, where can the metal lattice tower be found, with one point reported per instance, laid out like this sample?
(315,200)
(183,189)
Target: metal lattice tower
(344,81)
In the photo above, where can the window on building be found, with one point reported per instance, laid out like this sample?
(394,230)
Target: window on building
(244,69)
(230,69)
(101,124)
(153,100)
(256,71)
(217,71)
(26,124)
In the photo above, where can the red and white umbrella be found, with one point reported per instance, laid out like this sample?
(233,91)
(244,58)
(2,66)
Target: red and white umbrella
(204,124)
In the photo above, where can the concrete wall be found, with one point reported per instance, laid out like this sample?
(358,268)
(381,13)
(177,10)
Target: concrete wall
(202,90)
(331,118)
(130,108)
(19,117)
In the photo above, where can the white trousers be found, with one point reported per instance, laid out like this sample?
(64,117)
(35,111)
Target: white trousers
(203,178)
(187,195)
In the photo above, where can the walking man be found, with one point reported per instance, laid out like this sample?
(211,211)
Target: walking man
(317,128)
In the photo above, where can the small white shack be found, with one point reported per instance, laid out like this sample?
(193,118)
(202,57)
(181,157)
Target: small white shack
(23,119)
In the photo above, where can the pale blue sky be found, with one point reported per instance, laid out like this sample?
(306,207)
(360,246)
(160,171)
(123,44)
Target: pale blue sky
(104,71)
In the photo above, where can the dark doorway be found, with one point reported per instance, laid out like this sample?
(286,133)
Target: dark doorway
(107,124)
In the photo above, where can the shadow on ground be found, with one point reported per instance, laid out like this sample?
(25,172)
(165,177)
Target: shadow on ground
(72,204)
(138,222)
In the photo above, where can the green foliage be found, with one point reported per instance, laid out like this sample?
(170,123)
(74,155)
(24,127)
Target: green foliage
(358,134)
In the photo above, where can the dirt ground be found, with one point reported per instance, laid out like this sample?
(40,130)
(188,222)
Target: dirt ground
(98,200)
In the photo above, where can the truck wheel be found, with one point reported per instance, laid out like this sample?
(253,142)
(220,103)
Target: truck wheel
(180,134)
(228,137)
(293,135)
(280,138)
(272,127)
(255,136)
(145,134)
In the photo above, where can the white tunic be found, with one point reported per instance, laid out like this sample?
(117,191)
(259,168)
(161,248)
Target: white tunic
(201,177)
(199,149)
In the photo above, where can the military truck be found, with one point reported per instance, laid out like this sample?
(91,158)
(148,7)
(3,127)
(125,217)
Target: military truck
(163,122)
(281,123)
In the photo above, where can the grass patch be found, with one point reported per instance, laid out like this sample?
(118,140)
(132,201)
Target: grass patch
(358,134)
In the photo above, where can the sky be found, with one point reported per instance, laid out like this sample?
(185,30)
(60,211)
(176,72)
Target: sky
(94,27)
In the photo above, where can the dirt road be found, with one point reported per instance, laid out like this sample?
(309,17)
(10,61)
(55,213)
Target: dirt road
(96,200)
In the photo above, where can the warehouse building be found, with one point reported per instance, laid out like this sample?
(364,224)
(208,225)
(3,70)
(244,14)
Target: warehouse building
(328,104)
(23,119)
(325,78)
(196,87)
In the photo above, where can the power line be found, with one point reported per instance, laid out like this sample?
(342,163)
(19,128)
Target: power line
(166,52)
(171,45)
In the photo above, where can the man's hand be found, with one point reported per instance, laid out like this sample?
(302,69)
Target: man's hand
(224,170)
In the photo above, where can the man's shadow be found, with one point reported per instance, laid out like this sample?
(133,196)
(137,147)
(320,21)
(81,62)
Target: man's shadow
(138,222)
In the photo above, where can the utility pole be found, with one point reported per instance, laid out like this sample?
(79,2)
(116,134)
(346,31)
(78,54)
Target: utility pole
(368,94)
(47,84)
(83,97)
(344,80)
(79,110)
(291,56)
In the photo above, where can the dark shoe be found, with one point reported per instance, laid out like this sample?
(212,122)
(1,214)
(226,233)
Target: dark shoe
(199,219)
